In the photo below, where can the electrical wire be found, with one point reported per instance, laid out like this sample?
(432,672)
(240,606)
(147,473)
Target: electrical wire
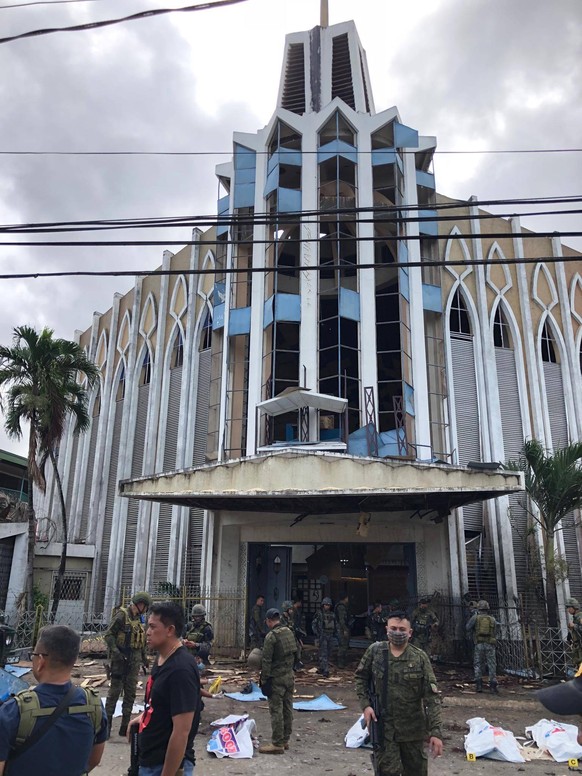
(132,17)
(286,270)
(46,2)
(263,153)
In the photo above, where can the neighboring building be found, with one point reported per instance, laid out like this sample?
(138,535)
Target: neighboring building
(330,416)
(13,527)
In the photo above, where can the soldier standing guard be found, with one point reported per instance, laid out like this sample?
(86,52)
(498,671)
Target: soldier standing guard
(484,626)
(342,616)
(126,647)
(575,630)
(324,628)
(424,621)
(396,687)
(257,623)
(278,681)
(376,623)
(198,635)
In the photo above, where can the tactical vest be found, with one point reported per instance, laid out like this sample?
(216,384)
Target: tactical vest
(196,632)
(485,629)
(132,635)
(30,710)
(327,622)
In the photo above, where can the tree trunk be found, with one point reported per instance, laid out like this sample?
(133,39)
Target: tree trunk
(551,592)
(63,563)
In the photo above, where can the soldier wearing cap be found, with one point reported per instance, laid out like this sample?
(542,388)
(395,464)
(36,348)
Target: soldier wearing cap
(484,629)
(424,621)
(575,629)
(126,647)
(324,627)
(278,681)
(198,636)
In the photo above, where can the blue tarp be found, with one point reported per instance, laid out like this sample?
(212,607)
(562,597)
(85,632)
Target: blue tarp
(17,670)
(321,703)
(255,695)
(10,684)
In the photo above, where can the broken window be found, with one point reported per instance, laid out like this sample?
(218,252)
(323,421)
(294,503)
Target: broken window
(145,376)
(177,358)
(548,345)
(501,330)
(459,322)
(120,393)
(206,333)
(337,128)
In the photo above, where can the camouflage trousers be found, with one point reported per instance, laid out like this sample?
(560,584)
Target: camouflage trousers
(576,653)
(124,675)
(281,709)
(343,643)
(485,653)
(404,758)
(325,647)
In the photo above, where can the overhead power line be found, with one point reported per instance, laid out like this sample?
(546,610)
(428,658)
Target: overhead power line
(131,18)
(286,270)
(46,2)
(262,153)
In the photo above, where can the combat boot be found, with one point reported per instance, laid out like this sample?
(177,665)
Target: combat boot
(271,749)
(123,728)
(479,685)
(493,688)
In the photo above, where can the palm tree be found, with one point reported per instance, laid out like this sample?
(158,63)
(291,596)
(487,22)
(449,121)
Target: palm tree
(553,482)
(40,375)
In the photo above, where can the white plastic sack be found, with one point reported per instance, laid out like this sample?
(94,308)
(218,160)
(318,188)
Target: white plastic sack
(357,734)
(495,743)
(233,740)
(557,738)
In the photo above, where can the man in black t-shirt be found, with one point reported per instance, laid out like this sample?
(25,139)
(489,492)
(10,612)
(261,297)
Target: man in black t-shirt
(172,702)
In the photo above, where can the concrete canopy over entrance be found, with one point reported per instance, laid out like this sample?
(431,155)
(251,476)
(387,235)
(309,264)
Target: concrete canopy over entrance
(317,482)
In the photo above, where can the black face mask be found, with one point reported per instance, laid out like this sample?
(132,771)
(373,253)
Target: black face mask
(397,638)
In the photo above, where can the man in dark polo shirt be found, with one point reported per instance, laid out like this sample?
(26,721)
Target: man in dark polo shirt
(71,745)
(172,701)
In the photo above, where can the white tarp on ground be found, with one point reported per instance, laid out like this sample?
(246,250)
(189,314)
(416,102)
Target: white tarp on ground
(557,738)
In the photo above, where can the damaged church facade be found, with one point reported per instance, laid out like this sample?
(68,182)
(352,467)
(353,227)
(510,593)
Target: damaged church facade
(305,423)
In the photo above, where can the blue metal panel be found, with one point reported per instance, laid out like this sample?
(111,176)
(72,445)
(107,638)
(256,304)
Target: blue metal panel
(349,304)
(268,312)
(272,180)
(358,441)
(244,195)
(409,399)
(245,176)
(289,201)
(403,284)
(290,156)
(273,162)
(244,158)
(223,205)
(219,293)
(402,251)
(432,298)
(425,179)
(288,307)
(428,227)
(405,137)
(221,229)
(239,321)
(383,156)
(335,148)
(218,317)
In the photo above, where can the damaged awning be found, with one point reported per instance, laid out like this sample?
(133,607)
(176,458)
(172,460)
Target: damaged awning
(295,398)
(315,482)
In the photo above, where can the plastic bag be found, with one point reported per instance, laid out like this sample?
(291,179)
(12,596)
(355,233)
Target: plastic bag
(557,738)
(495,743)
(357,734)
(216,685)
(234,740)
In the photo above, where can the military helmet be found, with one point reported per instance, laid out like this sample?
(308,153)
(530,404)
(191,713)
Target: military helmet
(572,602)
(198,611)
(142,597)
(286,606)
(326,601)
(483,604)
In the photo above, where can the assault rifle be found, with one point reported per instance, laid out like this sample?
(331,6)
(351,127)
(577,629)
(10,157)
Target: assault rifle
(133,769)
(375,730)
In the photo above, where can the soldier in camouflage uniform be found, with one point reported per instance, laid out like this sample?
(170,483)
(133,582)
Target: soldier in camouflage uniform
(575,630)
(287,613)
(376,623)
(402,679)
(483,627)
(424,621)
(257,624)
(278,681)
(126,649)
(342,616)
(198,634)
(324,627)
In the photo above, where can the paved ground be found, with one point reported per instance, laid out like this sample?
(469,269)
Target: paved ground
(317,745)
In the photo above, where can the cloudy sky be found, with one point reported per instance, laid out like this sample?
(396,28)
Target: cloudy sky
(478,74)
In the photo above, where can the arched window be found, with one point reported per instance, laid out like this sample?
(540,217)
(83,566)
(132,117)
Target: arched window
(145,377)
(177,358)
(548,345)
(97,404)
(501,331)
(120,393)
(206,333)
(459,317)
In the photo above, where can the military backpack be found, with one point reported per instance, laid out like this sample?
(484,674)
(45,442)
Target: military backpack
(485,628)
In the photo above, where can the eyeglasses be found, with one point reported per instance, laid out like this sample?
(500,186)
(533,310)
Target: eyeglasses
(38,654)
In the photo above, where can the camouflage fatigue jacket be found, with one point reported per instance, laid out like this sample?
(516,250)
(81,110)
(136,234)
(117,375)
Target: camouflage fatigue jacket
(422,622)
(279,653)
(126,634)
(577,627)
(202,634)
(257,622)
(324,622)
(410,707)
(342,616)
